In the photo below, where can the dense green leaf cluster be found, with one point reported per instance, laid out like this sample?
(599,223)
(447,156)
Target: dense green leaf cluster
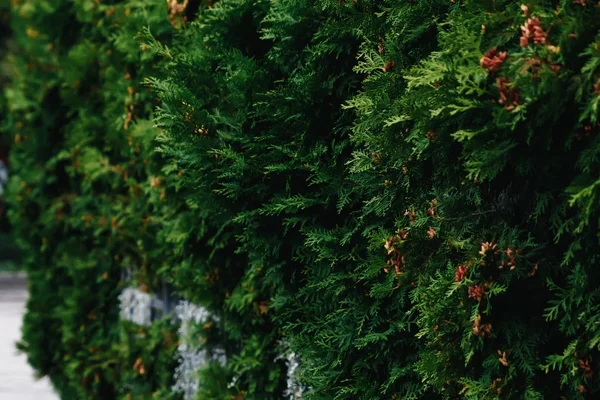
(82,161)
(489,146)
(256,141)
(400,192)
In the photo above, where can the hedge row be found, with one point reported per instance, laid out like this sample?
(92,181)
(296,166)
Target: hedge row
(81,160)
(402,193)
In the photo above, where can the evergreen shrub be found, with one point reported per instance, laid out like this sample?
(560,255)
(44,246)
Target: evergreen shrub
(255,139)
(402,193)
(82,160)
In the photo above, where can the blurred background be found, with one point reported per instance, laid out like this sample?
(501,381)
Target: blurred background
(8,252)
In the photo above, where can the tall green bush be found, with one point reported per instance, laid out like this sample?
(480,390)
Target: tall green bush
(483,152)
(82,163)
(419,281)
(402,193)
(256,141)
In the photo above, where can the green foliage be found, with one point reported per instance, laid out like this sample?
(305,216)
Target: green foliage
(402,192)
(488,149)
(82,160)
(254,154)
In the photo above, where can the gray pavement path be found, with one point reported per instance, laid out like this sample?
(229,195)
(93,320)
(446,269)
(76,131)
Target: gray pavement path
(17,380)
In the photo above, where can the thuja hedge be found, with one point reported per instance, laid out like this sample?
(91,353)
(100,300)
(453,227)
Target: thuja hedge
(82,158)
(401,192)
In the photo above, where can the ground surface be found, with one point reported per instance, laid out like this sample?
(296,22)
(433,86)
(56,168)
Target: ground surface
(17,381)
